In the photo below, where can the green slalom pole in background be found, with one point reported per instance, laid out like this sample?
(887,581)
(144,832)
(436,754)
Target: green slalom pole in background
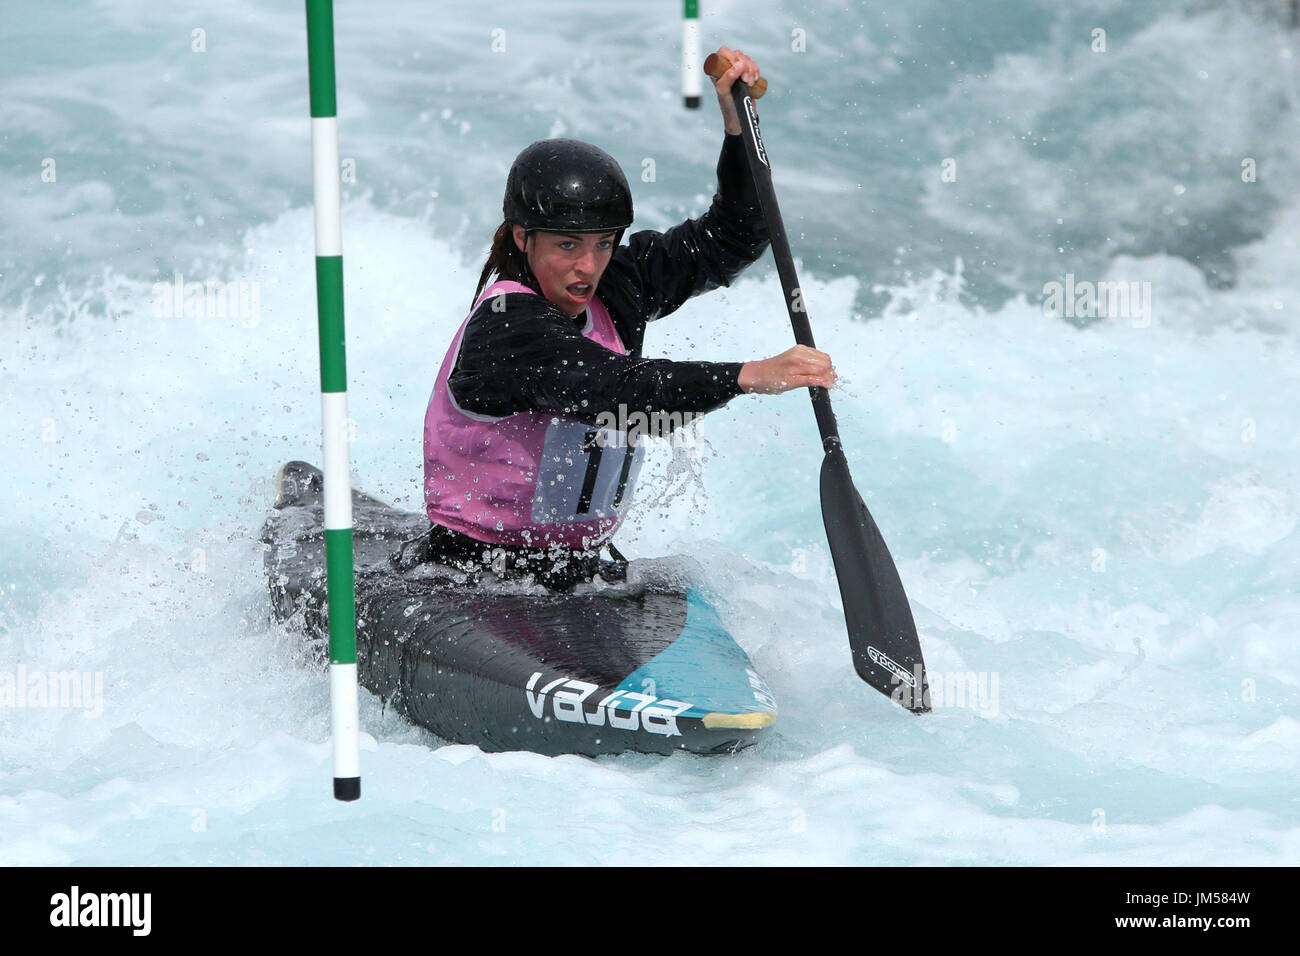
(344,722)
(691,83)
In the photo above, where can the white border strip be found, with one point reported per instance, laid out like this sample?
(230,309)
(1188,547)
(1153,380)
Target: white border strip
(344,723)
(325,185)
(334,451)
(691,68)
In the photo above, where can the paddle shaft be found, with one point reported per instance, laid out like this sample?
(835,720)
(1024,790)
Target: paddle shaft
(794,303)
(882,633)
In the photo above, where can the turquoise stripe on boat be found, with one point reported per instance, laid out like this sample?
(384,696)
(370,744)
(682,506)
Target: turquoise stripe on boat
(704,667)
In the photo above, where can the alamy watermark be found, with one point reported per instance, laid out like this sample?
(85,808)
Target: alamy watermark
(622,426)
(971,690)
(71,690)
(210,299)
(75,908)
(1098,300)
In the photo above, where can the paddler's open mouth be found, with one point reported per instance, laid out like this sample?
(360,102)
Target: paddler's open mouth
(579,290)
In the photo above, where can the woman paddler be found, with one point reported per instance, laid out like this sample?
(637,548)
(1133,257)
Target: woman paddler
(517,474)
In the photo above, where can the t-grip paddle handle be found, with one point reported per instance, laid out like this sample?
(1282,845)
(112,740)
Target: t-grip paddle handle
(716,65)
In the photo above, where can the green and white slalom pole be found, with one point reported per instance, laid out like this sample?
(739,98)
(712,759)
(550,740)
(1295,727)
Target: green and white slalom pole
(691,83)
(344,722)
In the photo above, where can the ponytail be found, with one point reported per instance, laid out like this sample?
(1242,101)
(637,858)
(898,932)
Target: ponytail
(505,261)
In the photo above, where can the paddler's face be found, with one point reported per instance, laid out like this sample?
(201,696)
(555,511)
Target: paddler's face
(568,265)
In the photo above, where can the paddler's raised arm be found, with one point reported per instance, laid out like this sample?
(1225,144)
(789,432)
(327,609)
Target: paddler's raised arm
(665,269)
(699,255)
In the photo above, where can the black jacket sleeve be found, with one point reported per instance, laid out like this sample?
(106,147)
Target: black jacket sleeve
(656,272)
(531,356)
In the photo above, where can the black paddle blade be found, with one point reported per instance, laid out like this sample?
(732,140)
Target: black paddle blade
(882,634)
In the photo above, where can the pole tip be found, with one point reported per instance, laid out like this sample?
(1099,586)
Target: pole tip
(347,788)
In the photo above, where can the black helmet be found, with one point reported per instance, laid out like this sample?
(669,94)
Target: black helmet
(565,185)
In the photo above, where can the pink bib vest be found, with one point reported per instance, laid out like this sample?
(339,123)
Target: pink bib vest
(536,479)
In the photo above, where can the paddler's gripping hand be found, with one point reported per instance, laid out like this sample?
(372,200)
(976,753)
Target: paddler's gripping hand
(742,67)
(799,367)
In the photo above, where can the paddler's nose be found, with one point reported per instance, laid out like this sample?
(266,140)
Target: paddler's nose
(587,266)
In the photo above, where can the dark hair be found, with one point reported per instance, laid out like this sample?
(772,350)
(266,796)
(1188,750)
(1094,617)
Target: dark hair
(507,261)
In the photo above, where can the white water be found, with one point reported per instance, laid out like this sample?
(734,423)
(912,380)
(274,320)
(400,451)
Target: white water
(1098,524)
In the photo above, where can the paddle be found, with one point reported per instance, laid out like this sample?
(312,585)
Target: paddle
(882,634)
